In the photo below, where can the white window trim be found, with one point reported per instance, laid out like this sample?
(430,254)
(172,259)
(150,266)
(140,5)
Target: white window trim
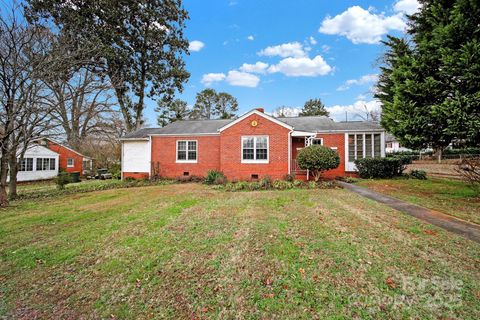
(350,164)
(71,165)
(186,161)
(309,141)
(255,161)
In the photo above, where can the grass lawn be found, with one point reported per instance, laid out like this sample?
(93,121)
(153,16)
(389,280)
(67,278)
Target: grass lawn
(452,197)
(187,251)
(49,185)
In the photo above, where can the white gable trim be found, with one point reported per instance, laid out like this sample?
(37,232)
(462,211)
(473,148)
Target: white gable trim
(258,113)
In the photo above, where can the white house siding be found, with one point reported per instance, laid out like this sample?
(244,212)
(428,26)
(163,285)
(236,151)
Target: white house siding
(35,152)
(136,156)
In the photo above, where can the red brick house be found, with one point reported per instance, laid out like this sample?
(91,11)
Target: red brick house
(69,159)
(248,147)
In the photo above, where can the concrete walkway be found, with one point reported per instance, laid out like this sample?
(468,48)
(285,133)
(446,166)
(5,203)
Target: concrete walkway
(466,229)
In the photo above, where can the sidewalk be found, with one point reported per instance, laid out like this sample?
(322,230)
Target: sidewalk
(466,229)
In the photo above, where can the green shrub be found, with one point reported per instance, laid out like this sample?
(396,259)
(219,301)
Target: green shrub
(63,178)
(215,177)
(289,177)
(418,174)
(471,150)
(116,170)
(185,179)
(266,183)
(282,185)
(381,167)
(317,159)
(298,184)
(312,185)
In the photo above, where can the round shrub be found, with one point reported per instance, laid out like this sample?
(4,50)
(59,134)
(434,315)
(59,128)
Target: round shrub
(317,159)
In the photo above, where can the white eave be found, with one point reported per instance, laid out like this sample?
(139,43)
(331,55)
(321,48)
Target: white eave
(303,133)
(261,114)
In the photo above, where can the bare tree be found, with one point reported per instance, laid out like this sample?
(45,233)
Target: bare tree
(84,105)
(24,107)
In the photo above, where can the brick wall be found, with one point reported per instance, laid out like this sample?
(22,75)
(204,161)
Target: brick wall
(230,143)
(164,155)
(136,175)
(331,140)
(335,140)
(64,155)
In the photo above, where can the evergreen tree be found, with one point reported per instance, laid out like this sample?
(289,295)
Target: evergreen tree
(212,105)
(204,107)
(171,111)
(139,45)
(226,106)
(314,107)
(429,84)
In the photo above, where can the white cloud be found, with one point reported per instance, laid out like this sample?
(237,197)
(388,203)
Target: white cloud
(312,41)
(304,66)
(232,3)
(368,78)
(407,6)
(259,67)
(291,49)
(251,38)
(356,111)
(362,26)
(242,79)
(196,45)
(326,48)
(361,97)
(210,78)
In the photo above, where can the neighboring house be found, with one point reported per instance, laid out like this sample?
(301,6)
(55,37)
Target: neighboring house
(392,144)
(70,160)
(38,163)
(247,148)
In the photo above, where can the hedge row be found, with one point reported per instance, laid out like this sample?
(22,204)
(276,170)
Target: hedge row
(382,167)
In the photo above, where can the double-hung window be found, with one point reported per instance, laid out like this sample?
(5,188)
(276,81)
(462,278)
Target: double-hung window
(187,151)
(70,162)
(255,149)
(26,164)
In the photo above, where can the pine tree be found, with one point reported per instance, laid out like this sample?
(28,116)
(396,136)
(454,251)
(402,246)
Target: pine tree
(429,84)
(171,111)
(314,107)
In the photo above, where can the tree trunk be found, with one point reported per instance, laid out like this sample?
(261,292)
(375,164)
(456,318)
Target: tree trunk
(12,184)
(439,155)
(3,176)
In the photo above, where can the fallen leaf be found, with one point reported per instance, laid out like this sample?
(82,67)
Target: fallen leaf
(389,282)
(430,232)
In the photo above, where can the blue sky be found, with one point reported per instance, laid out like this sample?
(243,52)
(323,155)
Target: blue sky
(281,53)
(270,53)
(306,49)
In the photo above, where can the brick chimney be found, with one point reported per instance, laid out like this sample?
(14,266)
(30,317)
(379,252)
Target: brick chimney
(260,109)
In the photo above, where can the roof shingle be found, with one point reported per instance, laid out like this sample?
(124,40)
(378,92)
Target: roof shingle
(309,124)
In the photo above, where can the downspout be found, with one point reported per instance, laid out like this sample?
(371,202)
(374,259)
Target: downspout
(121,161)
(290,152)
(309,143)
(150,157)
